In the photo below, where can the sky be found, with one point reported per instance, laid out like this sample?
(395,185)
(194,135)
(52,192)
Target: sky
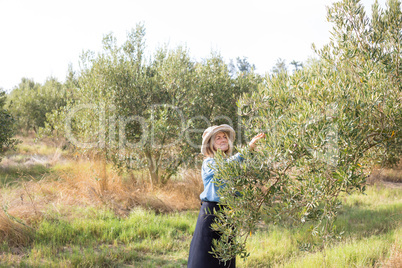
(40,39)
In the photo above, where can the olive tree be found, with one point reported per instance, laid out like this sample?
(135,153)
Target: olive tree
(326,126)
(147,113)
(7,127)
(29,102)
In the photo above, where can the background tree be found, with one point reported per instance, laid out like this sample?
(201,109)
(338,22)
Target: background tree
(297,65)
(29,102)
(243,66)
(149,113)
(280,67)
(21,102)
(7,127)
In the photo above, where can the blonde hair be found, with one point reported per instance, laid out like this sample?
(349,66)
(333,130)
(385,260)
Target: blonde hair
(210,150)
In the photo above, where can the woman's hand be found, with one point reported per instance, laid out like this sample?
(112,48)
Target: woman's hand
(255,139)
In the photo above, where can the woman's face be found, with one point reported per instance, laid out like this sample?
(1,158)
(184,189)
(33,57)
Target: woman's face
(221,142)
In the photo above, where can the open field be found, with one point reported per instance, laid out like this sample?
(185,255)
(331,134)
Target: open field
(60,210)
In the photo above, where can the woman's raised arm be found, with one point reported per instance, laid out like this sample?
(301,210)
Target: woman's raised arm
(254,140)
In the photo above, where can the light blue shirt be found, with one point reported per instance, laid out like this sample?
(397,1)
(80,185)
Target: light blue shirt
(210,189)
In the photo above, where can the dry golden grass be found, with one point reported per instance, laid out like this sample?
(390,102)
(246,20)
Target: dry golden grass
(185,194)
(96,184)
(395,260)
(89,183)
(86,183)
(393,175)
(15,233)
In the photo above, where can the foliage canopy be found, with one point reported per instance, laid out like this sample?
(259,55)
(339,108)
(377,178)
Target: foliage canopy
(327,125)
(7,126)
(143,113)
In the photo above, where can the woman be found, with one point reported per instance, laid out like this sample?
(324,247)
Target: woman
(213,139)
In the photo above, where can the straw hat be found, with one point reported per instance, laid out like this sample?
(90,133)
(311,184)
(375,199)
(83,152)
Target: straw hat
(209,132)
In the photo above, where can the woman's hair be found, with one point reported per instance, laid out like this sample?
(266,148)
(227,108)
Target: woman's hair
(210,150)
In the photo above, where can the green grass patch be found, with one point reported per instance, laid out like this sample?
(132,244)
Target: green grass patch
(13,174)
(371,223)
(93,237)
(38,148)
(106,228)
(367,252)
(100,239)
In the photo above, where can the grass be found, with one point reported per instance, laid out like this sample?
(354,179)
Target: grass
(99,238)
(29,145)
(75,213)
(13,174)
(29,161)
(93,237)
(372,228)
(387,175)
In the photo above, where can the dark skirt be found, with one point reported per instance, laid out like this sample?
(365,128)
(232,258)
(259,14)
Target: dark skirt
(201,244)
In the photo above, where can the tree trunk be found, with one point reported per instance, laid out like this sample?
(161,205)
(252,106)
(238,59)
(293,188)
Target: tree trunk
(153,169)
(103,176)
